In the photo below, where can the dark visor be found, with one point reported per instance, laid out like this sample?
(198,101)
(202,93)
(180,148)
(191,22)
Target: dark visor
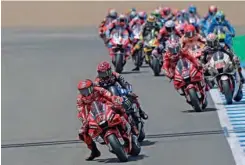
(141,17)
(86,91)
(219,19)
(211,43)
(166,12)
(104,74)
(189,34)
(121,20)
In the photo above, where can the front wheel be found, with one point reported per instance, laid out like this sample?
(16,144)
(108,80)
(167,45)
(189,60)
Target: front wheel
(194,100)
(227,91)
(117,148)
(156,66)
(119,63)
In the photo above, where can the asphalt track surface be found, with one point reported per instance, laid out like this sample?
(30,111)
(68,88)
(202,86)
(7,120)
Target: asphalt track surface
(40,70)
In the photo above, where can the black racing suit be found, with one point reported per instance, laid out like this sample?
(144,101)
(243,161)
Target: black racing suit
(147,27)
(117,78)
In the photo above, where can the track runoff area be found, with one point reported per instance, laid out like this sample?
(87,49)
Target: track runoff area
(232,117)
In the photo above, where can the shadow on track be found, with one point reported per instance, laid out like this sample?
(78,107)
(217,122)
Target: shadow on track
(160,75)
(134,72)
(148,143)
(206,110)
(153,136)
(145,66)
(115,160)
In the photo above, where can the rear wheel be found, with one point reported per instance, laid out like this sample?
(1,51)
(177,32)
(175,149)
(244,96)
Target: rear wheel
(137,58)
(205,104)
(141,57)
(135,146)
(194,100)
(117,148)
(141,134)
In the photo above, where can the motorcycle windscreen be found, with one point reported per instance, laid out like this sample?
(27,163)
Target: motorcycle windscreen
(148,37)
(183,67)
(181,20)
(98,110)
(116,37)
(173,37)
(120,38)
(218,58)
(136,29)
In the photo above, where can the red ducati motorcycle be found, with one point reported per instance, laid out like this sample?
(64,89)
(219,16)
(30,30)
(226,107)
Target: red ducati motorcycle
(189,82)
(120,41)
(106,124)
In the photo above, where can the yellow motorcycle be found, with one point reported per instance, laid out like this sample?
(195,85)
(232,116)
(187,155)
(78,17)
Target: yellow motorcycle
(150,42)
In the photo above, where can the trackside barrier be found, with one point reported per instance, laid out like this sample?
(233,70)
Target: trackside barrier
(239,48)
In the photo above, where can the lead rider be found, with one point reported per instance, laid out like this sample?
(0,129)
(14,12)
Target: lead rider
(87,94)
(106,77)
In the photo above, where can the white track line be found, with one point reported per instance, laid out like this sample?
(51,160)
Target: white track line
(237,151)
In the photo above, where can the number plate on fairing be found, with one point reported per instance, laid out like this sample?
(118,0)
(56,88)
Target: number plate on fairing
(185,74)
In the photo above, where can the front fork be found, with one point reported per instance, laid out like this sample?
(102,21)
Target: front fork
(219,82)
(200,90)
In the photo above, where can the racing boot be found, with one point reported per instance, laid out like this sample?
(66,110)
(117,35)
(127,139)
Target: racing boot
(143,115)
(137,68)
(240,74)
(94,151)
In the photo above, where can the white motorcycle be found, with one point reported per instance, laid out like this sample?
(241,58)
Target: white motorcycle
(225,75)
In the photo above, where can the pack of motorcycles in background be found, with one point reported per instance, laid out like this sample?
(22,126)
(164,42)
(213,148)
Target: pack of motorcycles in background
(189,81)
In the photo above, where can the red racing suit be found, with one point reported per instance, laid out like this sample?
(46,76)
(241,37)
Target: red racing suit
(84,107)
(170,62)
(106,21)
(163,35)
(186,42)
(170,16)
(136,21)
(114,24)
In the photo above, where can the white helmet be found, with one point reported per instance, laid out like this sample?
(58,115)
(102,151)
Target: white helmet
(170,25)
